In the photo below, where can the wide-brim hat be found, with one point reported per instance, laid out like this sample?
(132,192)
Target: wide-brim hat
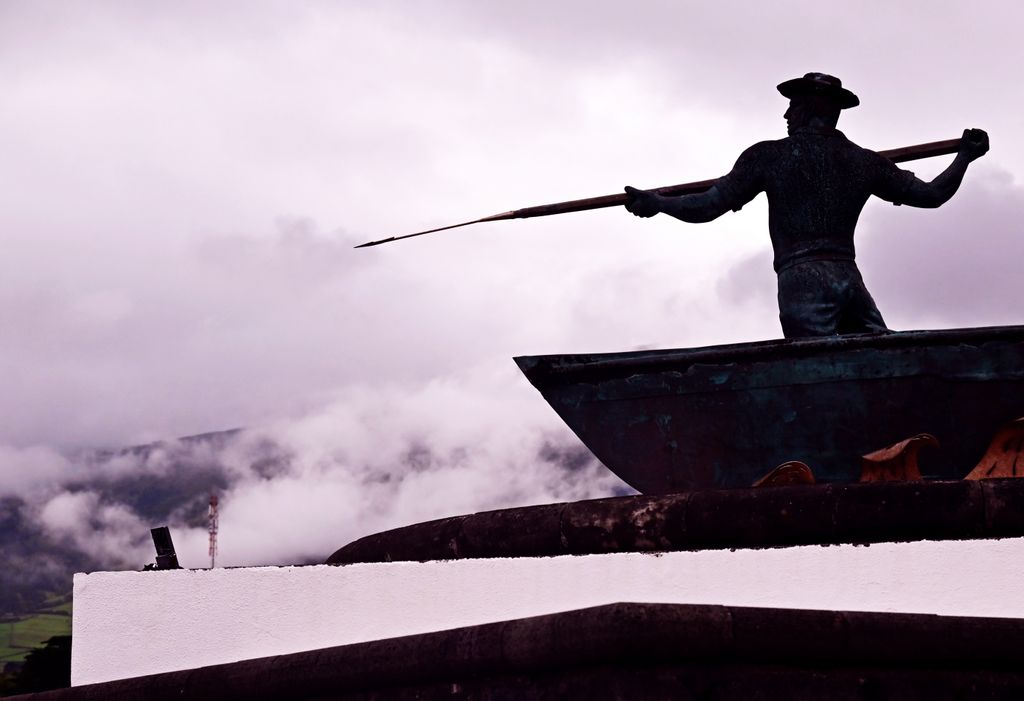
(820,84)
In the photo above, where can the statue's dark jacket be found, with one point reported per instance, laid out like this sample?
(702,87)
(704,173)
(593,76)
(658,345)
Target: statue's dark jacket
(817,182)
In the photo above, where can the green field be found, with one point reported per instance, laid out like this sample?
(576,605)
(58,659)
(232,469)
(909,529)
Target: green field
(19,637)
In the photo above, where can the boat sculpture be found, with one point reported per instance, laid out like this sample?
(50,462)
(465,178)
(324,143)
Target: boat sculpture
(723,416)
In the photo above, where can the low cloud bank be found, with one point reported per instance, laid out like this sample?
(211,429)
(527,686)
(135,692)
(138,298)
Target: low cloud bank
(373,458)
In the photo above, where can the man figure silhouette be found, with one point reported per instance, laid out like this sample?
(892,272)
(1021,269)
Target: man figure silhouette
(817,181)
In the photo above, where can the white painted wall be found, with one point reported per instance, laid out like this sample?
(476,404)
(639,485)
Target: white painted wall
(132,623)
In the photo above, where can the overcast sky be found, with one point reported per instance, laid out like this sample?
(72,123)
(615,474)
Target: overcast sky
(182,184)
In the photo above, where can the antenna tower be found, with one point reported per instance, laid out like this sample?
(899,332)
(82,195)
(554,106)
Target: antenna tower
(214,519)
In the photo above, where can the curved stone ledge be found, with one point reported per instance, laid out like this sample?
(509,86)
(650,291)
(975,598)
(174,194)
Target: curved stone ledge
(629,650)
(713,519)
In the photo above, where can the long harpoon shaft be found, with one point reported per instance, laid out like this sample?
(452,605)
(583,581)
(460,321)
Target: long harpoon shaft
(896,155)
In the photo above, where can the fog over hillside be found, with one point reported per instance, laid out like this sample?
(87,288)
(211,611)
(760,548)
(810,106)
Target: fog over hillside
(290,493)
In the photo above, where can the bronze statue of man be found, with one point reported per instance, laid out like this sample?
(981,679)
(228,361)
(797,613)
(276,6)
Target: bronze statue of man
(817,181)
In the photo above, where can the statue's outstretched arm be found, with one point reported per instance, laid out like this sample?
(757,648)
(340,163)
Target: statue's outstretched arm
(695,209)
(730,192)
(918,193)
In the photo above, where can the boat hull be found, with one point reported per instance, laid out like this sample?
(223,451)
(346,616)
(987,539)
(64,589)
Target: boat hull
(723,416)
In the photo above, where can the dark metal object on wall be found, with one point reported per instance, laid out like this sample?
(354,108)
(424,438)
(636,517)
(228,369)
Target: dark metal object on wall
(166,558)
(723,416)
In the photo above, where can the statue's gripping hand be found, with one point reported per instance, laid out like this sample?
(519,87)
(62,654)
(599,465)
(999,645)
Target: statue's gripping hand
(643,203)
(974,143)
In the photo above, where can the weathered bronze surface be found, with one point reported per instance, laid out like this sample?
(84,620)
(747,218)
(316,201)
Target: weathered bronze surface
(787,474)
(1005,455)
(723,416)
(897,462)
(823,514)
(817,182)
